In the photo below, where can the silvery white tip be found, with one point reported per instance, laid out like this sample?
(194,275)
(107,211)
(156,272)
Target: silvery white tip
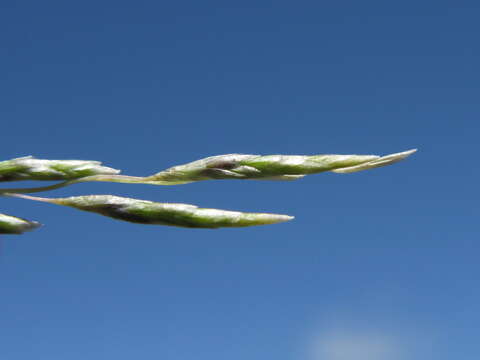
(30,168)
(15,225)
(381,161)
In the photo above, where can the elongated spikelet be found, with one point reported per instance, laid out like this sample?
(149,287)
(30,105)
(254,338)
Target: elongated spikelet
(148,212)
(29,168)
(270,167)
(15,225)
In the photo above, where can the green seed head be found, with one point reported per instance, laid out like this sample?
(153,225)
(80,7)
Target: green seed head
(270,167)
(29,168)
(183,215)
(15,225)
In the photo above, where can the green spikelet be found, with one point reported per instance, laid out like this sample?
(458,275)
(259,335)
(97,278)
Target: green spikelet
(15,225)
(270,167)
(29,168)
(154,213)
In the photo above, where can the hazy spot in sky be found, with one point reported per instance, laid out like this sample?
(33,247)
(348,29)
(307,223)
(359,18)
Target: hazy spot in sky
(348,335)
(355,345)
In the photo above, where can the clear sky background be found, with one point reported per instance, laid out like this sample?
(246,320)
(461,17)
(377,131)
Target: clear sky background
(377,265)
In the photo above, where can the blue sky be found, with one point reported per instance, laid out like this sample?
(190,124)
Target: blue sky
(381,264)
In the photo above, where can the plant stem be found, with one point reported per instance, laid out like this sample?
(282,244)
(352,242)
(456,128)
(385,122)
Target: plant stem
(28,197)
(107,178)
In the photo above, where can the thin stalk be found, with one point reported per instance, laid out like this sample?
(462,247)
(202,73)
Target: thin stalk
(34,189)
(103,178)
(28,197)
